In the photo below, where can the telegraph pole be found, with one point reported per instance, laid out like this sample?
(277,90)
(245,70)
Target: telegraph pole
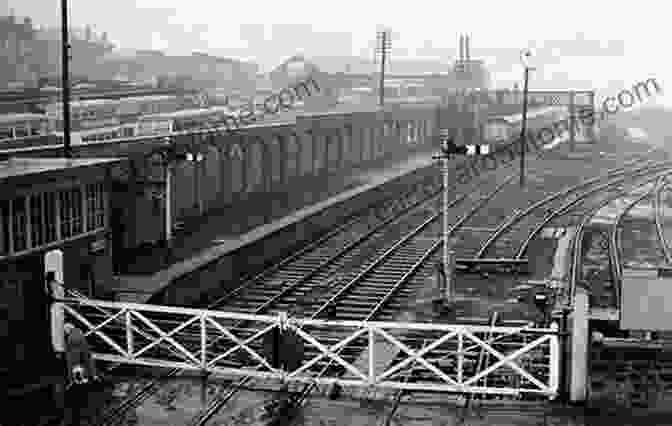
(384,47)
(65,78)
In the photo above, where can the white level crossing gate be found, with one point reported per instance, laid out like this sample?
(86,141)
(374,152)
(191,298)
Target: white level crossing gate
(452,358)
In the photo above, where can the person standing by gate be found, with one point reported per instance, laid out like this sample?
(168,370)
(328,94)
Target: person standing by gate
(80,364)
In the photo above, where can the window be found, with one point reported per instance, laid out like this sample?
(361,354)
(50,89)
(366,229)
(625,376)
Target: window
(31,222)
(71,212)
(49,214)
(37,227)
(19,224)
(20,132)
(95,206)
(4,227)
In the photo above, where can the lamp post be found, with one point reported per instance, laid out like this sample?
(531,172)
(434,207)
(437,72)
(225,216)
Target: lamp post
(525,57)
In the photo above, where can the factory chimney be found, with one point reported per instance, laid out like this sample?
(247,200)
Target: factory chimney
(461,47)
(466,48)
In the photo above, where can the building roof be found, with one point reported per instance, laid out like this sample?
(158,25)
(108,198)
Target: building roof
(21,167)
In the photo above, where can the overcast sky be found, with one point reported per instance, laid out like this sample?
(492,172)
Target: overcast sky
(621,38)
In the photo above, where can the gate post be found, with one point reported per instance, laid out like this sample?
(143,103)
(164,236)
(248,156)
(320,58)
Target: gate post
(579,347)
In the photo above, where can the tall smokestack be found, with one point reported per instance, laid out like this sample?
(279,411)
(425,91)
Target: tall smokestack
(466,47)
(461,47)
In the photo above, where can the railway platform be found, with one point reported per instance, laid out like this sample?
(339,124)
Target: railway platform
(217,235)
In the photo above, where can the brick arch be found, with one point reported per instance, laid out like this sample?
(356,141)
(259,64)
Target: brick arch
(235,158)
(276,160)
(254,164)
(292,157)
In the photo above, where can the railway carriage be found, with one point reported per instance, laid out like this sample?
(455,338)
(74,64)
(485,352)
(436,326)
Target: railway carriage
(503,129)
(189,119)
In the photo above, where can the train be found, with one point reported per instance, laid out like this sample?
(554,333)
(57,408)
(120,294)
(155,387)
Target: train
(107,119)
(23,125)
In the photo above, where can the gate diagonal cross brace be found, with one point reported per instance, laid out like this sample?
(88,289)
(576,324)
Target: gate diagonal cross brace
(94,329)
(82,300)
(507,360)
(241,344)
(415,356)
(329,352)
(166,336)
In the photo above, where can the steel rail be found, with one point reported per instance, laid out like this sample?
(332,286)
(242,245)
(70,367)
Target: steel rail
(316,244)
(614,254)
(390,293)
(577,244)
(567,206)
(563,193)
(658,207)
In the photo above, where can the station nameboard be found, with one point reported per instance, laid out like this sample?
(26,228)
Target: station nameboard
(645,301)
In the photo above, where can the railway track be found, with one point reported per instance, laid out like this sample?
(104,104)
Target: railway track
(577,272)
(658,211)
(627,372)
(281,286)
(363,295)
(321,255)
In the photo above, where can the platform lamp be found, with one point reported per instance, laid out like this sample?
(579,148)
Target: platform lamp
(525,58)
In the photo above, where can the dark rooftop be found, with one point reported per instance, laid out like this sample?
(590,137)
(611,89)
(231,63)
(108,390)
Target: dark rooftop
(17,167)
